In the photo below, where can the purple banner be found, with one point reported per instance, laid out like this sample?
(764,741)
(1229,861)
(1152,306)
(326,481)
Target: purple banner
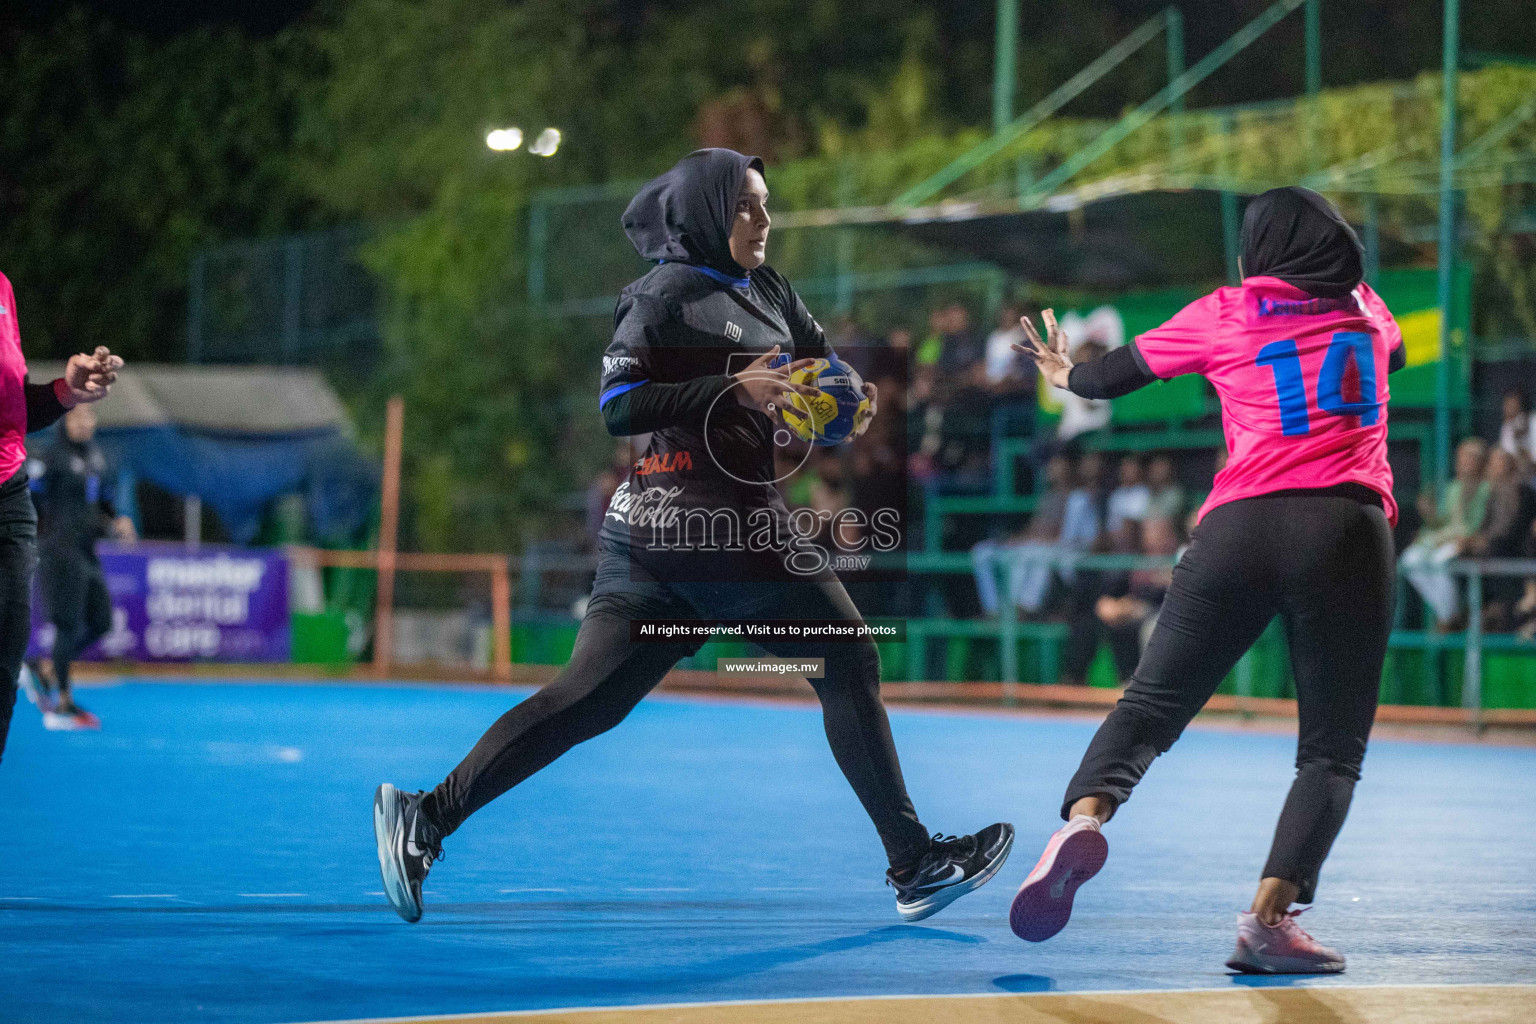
(173,604)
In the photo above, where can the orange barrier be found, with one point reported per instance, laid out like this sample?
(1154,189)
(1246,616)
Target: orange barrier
(417,561)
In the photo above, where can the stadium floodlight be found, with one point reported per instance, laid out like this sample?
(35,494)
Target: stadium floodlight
(547,142)
(504,140)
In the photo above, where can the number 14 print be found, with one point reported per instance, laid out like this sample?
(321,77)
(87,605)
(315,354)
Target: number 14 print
(1291,389)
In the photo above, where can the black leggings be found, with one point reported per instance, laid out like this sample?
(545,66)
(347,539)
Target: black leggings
(18,559)
(1324,564)
(608,675)
(79,605)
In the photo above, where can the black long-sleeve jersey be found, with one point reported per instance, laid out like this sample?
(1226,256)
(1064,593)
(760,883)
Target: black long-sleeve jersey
(69,486)
(679,333)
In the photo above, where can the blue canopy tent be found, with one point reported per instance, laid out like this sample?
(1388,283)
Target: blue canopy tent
(237,438)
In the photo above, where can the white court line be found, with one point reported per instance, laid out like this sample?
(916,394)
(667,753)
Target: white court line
(784,888)
(21,899)
(1041,996)
(269,895)
(145,896)
(659,889)
(530,890)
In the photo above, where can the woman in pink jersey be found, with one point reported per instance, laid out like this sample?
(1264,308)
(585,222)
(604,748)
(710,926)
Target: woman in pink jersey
(1297,525)
(25,407)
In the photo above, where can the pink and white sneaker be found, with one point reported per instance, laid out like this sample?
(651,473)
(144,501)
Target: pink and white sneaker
(1283,949)
(1044,903)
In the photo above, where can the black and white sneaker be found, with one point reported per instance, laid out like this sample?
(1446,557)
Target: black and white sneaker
(951,868)
(35,685)
(408,844)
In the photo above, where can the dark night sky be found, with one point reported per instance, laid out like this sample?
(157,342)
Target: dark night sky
(163,17)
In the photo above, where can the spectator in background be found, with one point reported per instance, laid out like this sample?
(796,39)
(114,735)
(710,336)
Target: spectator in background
(1511,509)
(925,419)
(1086,627)
(1009,374)
(963,451)
(1079,415)
(600,491)
(1131,499)
(953,347)
(1167,497)
(1193,519)
(1138,607)
(1517,434)
(884,361)
(74,497)
(1524,617)
(1083,523)
(1125,605)
(1460,514)
(1081,526)
(846,334)
(1040,536)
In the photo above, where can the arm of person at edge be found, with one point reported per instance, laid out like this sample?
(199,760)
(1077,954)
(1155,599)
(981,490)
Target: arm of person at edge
(119,526)
(1116,373)
(632,403)
(87,378)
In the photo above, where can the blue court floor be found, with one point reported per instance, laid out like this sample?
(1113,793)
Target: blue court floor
(208,856)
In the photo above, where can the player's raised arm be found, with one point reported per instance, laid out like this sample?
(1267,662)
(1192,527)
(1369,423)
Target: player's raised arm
(1117,373)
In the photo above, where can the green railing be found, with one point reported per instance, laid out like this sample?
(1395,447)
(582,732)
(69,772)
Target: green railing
(1009,630)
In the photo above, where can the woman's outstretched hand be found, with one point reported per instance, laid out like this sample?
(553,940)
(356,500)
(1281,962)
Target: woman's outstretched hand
(1052,356)
(89,378)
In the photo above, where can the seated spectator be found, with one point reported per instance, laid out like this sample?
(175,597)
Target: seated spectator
(1460,514)
(1511,509)
(1086,626)
(1517,434)
(1137,609)
(1033,572)
(1124,606)
(1193,518)
(1131,499)
(1039,537)
(954,348)
(1080,416)
(878,358)
(1167,495)
(1523,619)
(1009,374)
(600,491)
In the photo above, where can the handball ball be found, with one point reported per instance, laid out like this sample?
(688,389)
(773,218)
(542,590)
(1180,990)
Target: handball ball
(832,417)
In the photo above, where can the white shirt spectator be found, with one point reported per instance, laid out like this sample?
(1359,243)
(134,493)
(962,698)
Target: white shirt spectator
(1127,503)
(1518,436)
(1079,415)
(1002,361)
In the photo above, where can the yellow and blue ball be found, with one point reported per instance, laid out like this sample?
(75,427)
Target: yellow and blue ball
(834,416)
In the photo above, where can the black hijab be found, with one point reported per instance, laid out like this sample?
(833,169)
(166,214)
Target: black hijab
(684,216)
(1296,235)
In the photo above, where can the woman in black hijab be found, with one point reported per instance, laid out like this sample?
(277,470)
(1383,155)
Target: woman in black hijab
(1298,525)
(698,531)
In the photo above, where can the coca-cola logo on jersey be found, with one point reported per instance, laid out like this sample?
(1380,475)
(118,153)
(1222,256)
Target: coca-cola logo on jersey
(652,508)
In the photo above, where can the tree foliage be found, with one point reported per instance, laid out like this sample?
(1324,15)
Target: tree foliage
(121,155)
